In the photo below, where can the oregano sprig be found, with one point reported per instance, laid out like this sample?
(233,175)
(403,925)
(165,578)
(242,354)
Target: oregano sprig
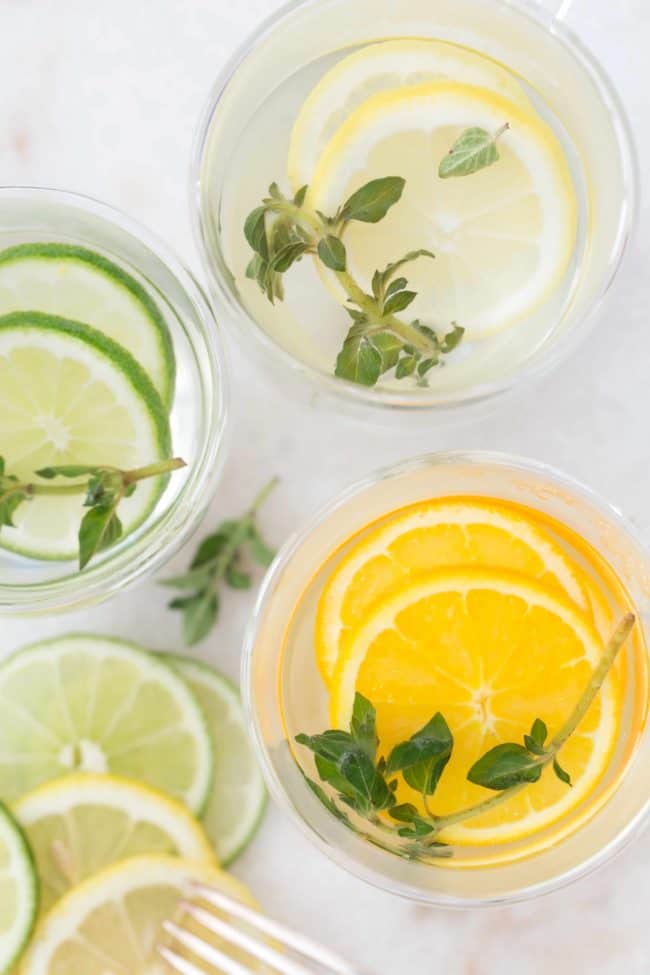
(218,560)
(103,487)
(348,763)
(283,230)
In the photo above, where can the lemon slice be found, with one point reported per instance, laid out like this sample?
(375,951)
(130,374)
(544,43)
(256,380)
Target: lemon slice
(18,890)
(434,535)
(70,395)
(84,703)
(491,651)
(503,237)
(112,923)
(381,67)
(82,824)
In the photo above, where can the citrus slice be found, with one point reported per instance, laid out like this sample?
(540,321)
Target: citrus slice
(492,651)
(69,395)
(503,237)
(83,703)
(112,923)
(81,824)
(18,891)
(238,799)
(382,67)
(76,283)
(436,534)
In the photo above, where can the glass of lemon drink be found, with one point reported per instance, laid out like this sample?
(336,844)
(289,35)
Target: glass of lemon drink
(112,401)
(387,189)
(447,679)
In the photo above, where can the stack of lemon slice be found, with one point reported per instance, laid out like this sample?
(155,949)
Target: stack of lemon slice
(474,608)
(503,239)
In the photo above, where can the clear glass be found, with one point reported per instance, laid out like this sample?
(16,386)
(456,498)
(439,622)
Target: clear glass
(284,694)
(257,96)
(198,416)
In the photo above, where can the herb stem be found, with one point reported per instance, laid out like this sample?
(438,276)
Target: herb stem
(263,495)
(605,664)
(154,470)
(614,645)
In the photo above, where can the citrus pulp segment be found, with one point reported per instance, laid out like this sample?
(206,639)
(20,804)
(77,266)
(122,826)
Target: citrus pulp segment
(381,67)
(83,703)
(80,284)
(18,891)
(430,535)
(82,824)
(503,238)
(236,804)
(70,395)
(113,921)
(492,651)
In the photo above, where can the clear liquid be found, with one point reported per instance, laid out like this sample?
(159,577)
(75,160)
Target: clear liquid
(311,324)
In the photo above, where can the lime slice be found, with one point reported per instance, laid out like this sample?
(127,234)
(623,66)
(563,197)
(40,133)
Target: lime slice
(503,238)
(18,891)
(83,703)
(76,283)
(82,824)
(69,395)
(112,923)
(238,798)
(382,67)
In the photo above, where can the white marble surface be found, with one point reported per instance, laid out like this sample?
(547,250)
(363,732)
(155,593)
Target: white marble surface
(103,98)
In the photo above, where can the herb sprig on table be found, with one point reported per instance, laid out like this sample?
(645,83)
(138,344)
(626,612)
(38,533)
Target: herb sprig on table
(219,560)
(102,487)
(284,230)
(362,780)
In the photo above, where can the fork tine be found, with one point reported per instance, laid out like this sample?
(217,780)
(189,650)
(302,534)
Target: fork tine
(278,932)
(261,950)
(177,963)
(204,951)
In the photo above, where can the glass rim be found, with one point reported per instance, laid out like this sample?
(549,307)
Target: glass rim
(255,339)
(274,781)
(156,541)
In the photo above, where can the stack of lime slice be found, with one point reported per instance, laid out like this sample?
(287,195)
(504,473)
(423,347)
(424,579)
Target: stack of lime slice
(87,376)
(127,774)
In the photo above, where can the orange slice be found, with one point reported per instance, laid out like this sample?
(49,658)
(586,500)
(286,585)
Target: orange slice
(492,651)
(431,535)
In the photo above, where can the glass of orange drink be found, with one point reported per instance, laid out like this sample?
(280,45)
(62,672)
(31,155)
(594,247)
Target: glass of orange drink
(447,678)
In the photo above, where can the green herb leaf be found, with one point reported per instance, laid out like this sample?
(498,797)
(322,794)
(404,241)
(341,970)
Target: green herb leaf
(200,613)
(504,766)
(423,758)
(404,812)
(474,150)
(255,232)
(535,740)
(397,285)
(299,198)
(329,803)
(65,470)
(260,551)
(398,302)
(452,339)
(100,528)
(562,775)
(237,579)
(406,366)
(371,202)
(331,251)
(390,269)
(389,346)
(363,726)
(287,256)
(359,360)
